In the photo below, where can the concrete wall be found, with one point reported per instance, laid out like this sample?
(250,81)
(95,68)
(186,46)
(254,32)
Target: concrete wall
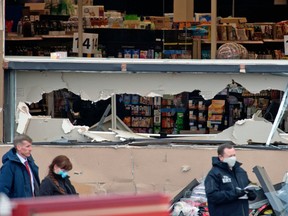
(101,170)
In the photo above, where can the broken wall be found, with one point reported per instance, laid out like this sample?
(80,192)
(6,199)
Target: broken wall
(95,86)
(127,169)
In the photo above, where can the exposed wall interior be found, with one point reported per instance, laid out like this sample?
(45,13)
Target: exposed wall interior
(66,92)
(31,85)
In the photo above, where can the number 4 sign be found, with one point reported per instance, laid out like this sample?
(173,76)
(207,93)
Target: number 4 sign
(89,45)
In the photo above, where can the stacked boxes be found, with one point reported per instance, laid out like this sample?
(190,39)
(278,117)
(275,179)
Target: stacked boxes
(215,115)
(197,115)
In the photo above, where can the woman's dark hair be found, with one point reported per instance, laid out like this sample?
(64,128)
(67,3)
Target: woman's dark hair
(62,162)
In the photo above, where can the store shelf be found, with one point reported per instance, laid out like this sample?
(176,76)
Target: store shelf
(18,38)
(207,41)
(177,44)
(36,38)
(273,40)
(57,36)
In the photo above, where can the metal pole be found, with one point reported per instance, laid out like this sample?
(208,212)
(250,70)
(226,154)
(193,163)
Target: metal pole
(113,112)
(10,103)
(213,28)
(233,8)
(2,54)
(280,113)
(269,190)
(80,28)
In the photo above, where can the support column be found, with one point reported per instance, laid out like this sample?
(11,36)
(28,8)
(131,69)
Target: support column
(2,53)
(279,116)
(80,28)
(113,112)
(213,28)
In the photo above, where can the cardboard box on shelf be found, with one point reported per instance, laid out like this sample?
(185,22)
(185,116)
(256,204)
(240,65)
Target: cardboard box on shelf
(36,8)
(94,11)
(236,20)
(183,10)
(161,22)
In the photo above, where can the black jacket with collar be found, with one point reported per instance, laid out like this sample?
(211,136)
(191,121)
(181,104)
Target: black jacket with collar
(49,188)
(220,188)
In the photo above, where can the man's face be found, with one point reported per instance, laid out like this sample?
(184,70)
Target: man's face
(24,149)
(227,153)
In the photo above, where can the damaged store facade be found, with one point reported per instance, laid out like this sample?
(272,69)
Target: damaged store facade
(101,150)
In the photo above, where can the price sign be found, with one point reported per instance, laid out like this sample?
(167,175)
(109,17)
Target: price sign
(89,43)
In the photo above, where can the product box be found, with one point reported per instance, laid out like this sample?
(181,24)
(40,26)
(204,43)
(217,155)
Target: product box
(143,54)
(157,101)
(127,53)
(150,54)
(94,11)
(237,20)
(158,55)
(135,99)
(183,10)
(157,117)
(192,115)
(203,17)
(161,22)
(135,53)
(58,55)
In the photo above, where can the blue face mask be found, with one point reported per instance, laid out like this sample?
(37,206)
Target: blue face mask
(63,173)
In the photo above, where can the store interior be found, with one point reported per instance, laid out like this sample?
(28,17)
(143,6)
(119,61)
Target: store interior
(183,113)
(150,29)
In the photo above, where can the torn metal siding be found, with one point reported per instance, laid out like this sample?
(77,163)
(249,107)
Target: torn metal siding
(95,86)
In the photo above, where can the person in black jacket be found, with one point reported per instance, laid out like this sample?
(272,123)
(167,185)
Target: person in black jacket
(225,185)
(57,181)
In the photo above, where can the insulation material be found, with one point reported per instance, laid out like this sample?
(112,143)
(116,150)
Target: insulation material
(94,137)
(96,86)
(100,136)
(22,117)
(254,130)
(67,126)
(126,135)
(43,82)
(43,129)
(63,128)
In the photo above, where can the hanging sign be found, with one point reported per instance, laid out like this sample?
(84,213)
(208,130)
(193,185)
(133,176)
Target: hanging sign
(286,44)
(89,43)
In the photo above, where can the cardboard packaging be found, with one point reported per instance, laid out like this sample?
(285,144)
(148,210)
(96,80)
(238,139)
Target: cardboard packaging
(183,10)
(94,11)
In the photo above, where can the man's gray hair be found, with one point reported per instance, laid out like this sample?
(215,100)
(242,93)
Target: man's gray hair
(20,138)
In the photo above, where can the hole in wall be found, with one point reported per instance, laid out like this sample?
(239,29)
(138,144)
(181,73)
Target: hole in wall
(179,113)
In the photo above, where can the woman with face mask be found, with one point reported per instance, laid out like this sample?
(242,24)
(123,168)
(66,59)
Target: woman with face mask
(225,183)
(57,181)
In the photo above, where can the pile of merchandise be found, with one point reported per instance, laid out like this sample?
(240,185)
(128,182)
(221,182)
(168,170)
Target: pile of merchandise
(194,203)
